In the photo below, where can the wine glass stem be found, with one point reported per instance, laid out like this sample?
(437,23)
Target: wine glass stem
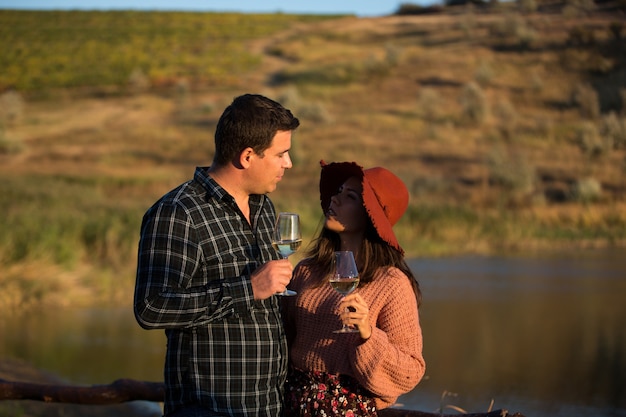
(344,325)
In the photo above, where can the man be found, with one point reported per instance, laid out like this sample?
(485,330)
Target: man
(208,275)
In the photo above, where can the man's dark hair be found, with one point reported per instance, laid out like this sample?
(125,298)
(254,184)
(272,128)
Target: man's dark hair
(251,120)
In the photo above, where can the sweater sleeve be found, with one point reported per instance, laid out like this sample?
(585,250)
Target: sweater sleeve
(390,362)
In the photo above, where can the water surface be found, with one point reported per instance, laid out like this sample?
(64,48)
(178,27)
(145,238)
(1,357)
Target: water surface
(543,335)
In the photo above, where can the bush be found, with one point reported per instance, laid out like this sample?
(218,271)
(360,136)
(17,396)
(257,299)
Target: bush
(591,142)
(507,117)
(576,8)
(428,102)
(138,82)
(588,140)
(515,29)
(9,145)
(483,74)
(474,103)
(536,82)
(512,171)
(11,107)
(306,110)
(586,99)
(586,190)
(527,6)
(613,130)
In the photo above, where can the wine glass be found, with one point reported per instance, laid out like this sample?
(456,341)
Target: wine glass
(287,238)
(345,280)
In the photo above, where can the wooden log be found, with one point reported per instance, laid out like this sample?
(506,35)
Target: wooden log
(121,390)
(124,390)
(398,412)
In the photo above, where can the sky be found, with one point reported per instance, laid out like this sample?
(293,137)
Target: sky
(361,8)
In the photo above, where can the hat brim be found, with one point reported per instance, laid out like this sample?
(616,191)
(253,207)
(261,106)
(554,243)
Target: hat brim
(378,217)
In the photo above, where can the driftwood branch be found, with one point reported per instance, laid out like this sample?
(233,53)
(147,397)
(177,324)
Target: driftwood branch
(123,390)
(397,412)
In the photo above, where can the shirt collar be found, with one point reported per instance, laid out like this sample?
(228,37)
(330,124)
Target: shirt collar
(215,190)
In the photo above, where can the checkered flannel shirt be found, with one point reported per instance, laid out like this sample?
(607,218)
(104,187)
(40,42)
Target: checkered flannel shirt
(225,351)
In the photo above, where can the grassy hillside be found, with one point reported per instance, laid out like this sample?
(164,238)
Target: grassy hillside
(508,127)
(104,50)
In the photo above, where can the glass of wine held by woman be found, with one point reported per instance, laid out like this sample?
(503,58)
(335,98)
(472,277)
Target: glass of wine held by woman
(345,280)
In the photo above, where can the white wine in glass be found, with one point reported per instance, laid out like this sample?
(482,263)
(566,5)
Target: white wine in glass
(286,248)
(345,280)
(287,238)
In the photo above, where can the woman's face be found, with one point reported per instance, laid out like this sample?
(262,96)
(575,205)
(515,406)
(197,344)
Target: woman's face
(346,213)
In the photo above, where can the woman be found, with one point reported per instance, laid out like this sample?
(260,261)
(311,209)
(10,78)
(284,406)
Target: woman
(354,374)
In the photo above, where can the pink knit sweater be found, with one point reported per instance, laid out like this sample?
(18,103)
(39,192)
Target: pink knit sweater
(388,364)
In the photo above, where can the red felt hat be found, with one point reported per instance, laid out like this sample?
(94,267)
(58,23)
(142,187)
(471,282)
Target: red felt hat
(385,196)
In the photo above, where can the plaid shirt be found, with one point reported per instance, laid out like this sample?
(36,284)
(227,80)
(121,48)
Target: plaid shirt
(225,351)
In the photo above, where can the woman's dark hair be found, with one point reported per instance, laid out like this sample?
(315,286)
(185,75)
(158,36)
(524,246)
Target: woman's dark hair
(250,121)
(373,255)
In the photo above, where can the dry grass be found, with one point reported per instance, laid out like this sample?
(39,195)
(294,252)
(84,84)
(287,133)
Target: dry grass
(500,182)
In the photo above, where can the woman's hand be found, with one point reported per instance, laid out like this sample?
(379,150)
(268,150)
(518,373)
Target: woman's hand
(354,311)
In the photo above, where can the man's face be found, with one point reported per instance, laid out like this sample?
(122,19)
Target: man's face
(268,170)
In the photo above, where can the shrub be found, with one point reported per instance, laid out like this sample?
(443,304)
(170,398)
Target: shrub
(586,99)
(512,171)
(527,6)
(526,36)
(312,111)
(576,8)
(138,82)
(474,103)
(393,55)
(586,190)
(290,98)
(613,130)
(536,82)
(591,143)
(428,102)
(515,29)
(581,36)
(483,74)
(11,107)
(9,145)
(507,117)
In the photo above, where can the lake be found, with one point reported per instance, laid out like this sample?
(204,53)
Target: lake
(541,334)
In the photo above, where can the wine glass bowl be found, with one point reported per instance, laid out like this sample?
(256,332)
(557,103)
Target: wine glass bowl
(345,280)
(287,238)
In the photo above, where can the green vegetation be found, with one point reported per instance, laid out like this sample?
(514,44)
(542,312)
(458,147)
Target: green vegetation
(66,221)
(61,49)
(506,141)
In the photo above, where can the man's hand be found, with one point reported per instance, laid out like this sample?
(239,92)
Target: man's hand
(271,278)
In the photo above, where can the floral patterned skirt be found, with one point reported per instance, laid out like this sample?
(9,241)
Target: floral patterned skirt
(319,394)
